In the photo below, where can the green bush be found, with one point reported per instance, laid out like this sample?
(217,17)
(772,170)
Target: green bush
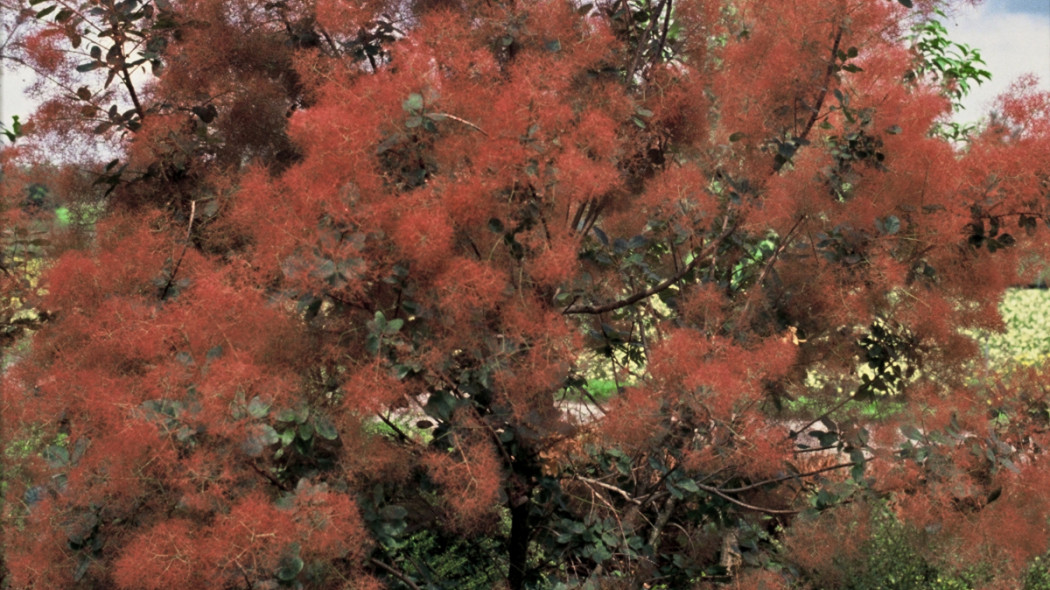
(1038,575)
(446,561)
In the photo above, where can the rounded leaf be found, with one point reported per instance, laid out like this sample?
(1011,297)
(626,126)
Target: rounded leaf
(289,567)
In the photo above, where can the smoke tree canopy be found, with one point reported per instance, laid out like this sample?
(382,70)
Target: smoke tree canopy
(355,261)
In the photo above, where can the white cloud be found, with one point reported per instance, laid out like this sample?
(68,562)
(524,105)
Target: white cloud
(1011,43)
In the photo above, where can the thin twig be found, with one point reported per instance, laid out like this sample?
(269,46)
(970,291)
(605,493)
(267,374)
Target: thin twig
(175,268)
(768,265)
(592,399)
(743,504)
(611,488)
(759,484)
(397,430)
(461,120)
(795,433)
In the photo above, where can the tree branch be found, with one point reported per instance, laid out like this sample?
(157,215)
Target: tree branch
(727,230)
(654,17)
(820,97)
(661,521)
(280,484)
(768,265)
(395,572)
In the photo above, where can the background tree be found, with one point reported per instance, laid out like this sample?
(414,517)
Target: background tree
(355,257)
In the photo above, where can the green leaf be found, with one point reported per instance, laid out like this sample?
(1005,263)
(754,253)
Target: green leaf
(288,568)
(889,225)
(56,456)
(911,432)
(689,486)
(268,435)
(393,512)
(441,404)
(325,429)
(905,3)
(414,103)
(89,66)
(258,408)
(286,437)
(736,136)
(46,11)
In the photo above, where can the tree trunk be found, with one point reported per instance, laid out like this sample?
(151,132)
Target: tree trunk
(518,547)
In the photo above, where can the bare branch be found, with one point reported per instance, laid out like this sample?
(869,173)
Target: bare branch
(759,484)
(396,573)
(743,504)
(611,488)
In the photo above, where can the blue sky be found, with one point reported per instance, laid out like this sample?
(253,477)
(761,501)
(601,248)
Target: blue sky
(1033,6)
(1013,36)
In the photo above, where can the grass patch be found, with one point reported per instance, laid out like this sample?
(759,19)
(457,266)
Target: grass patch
(600,390)
(875,409)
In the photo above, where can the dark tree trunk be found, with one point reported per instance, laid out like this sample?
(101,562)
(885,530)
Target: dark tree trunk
(518,547)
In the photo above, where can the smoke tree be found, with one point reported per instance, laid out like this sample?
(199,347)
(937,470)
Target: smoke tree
(349,264)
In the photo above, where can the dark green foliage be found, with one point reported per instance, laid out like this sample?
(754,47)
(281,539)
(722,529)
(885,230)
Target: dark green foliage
(440,561)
